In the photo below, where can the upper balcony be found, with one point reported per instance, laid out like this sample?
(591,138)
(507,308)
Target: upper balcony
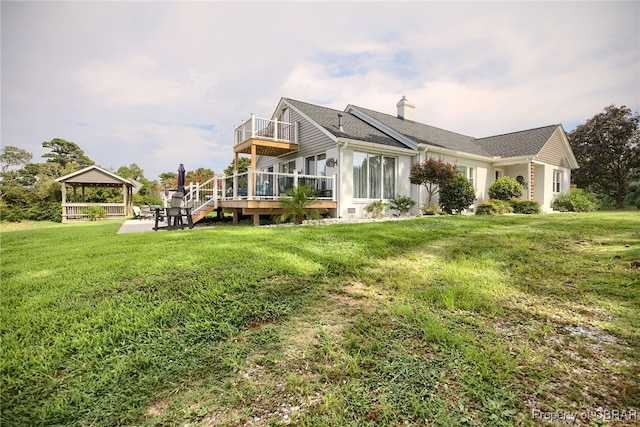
(266,137)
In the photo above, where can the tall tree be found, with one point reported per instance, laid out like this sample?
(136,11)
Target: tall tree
(243,166)
(133,171)
(66,153)
(432,174)
(12,162)
(607,148)
(199,175)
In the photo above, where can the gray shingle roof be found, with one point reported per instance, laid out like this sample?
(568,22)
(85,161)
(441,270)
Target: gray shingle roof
(425,134)
(353,127)
(515,144)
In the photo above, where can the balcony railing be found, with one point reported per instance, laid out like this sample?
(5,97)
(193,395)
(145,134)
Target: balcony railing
(272,130)
(81,212)
(256,186)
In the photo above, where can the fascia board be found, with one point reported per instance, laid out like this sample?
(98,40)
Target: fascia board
(513,161)
(98,168)
(455,153)
(372,147)
(573,162)
(382,127)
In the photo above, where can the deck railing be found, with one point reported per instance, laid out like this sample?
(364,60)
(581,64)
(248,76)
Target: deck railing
(273,130)
(255,186)
(80,211)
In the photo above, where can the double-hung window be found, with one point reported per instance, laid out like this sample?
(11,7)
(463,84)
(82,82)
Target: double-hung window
(468,172)
(374,176)
(557,181)
(288,167)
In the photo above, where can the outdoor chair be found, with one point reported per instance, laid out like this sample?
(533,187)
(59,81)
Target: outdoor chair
(137,212)
(145,212)
(173,214)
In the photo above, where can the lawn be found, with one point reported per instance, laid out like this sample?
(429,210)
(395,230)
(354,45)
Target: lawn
(434,321)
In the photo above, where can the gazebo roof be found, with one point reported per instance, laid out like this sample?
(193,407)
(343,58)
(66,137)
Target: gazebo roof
(95,176)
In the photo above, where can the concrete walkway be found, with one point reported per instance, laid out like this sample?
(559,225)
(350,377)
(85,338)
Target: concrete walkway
(136,226)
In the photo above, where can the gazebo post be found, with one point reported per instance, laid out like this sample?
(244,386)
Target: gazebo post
(63,190)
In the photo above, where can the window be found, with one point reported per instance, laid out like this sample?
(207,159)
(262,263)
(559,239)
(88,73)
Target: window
(316,165)
(288,167)
(374,176)
(468,172)
(557,181)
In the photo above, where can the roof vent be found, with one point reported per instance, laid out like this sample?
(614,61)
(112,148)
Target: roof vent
(340,128)
(405,109)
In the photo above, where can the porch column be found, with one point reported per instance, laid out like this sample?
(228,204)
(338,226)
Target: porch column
(252,179)
(125,196)
(83,197)
(532,181)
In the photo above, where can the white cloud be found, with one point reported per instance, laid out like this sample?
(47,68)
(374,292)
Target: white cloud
(161,84)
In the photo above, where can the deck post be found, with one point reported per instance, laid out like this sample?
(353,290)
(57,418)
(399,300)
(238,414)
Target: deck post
(256,219)
(250,183)
(295,178)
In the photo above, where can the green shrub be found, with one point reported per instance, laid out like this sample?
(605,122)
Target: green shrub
(577,200)
(505,188)
(457,195)
(376,209)
(525,206)
(296,205)
(638,203)
(95,212)
(429,210)
(494,207)
(402,204)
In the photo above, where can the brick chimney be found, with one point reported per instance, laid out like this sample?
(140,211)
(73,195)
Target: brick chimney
(405,109)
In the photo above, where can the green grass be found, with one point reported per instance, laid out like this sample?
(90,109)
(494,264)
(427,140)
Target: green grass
(434,321)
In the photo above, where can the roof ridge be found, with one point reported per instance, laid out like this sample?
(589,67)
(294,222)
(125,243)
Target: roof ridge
(517,131)
(414,121)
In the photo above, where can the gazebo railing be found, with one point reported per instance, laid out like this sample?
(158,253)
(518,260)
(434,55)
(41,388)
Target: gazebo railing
(80,212)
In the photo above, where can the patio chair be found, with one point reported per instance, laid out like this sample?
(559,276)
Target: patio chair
(137,212)
(146,212)
(174,213)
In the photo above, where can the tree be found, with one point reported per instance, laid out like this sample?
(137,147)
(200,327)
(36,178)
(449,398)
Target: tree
(199,175)
(433,174)
(66,153)
(11,158)
(607,147)
(297,204)
(170,178)
(133,171)
(243,166)
(457,195)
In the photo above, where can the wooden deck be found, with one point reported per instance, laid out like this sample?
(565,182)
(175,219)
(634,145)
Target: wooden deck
(255,208)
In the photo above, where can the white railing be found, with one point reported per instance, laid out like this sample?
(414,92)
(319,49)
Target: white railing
(81,212)
(255,186)
(273,130)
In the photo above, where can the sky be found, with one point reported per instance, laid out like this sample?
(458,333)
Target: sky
(160,83)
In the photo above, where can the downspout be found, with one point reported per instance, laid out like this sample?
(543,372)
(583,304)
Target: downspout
(341,145)
(421,156)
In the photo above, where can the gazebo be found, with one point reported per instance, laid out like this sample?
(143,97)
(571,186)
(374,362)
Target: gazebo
(95,176)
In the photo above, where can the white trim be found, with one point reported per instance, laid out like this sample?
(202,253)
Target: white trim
(307,118)
(99,169)
(509,161)
(573,163)
(381,127)
(454,153)
(377,148)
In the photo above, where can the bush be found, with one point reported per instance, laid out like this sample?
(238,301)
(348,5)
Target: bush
(577,200)
(505,188)
(402,204)
(525,206)
(376,209)
(457,195)
(95,212)
(429,210)
(296,205)
(494,207)
(638,203)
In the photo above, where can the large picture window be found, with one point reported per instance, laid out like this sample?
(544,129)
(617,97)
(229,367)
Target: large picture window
(374,176)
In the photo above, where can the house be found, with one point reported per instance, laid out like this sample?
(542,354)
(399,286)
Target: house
(355,156)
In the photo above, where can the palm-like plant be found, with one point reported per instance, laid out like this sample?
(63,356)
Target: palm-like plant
(296,205)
